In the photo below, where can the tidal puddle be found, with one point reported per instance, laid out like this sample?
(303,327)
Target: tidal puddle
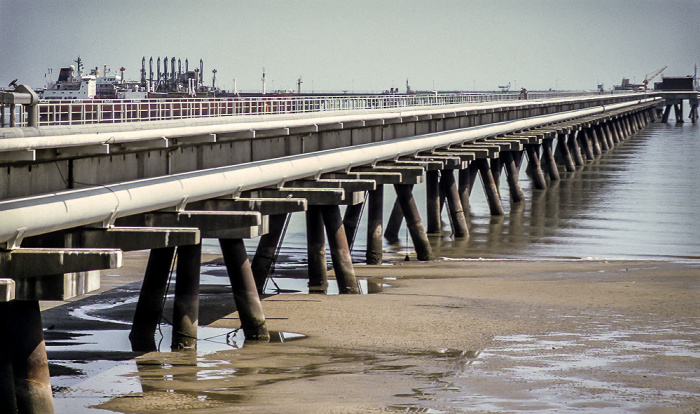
(276,285)
(607,367)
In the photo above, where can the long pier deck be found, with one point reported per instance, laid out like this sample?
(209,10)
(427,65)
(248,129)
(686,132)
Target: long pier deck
(72,198)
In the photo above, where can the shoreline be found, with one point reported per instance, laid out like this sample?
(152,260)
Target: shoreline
(371,353)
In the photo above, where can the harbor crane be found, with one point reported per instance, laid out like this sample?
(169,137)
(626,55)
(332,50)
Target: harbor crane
(648,78)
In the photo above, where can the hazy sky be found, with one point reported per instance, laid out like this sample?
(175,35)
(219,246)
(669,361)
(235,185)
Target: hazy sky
(360,45)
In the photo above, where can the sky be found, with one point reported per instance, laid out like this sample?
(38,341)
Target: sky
(358,45)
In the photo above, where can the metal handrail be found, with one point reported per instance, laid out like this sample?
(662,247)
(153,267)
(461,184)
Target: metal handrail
(80,112)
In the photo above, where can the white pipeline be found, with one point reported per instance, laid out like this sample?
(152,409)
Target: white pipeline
(45,213)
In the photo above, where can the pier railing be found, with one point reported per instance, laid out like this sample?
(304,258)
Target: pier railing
(79,112)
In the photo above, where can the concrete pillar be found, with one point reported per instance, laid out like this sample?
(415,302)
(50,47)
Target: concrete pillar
(593,138)
(340,250)
(404,195)
(609,134)
(533,166)
(492,197)
(266,253)
(432,202)
(393,225)
(496,167)
(585,143)
(8,399)
(548,157)
(150,304)
(316,250)
(574,149)
(30,365)
(628,127)
(448,186)
(667,112)
(513,177)
(563,151)
(467,176)
(612,125)
(600,136)
(186,304)
(375,213)
(245,292)
(351,220)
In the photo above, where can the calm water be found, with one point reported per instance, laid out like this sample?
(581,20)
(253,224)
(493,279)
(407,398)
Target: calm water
(638,201)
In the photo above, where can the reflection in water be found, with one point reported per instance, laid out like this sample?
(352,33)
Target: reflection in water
(635,201)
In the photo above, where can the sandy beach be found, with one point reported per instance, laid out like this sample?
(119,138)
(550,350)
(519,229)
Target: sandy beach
(456,337)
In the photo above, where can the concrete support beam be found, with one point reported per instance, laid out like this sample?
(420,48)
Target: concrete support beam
(57,287)
(137,238)
(504,145)
(425,162)
(491,150)
(265,206)
(522,138)
(431,161)
(462,154)
(7,290)
(18,156)
(350,186)
(415,173)
(27,263)
(313,196)
(203,220)
(378,177)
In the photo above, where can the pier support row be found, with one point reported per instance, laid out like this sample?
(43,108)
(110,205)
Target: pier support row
(186,301)
(587,140)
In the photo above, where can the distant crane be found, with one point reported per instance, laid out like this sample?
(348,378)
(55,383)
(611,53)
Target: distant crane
(648,78)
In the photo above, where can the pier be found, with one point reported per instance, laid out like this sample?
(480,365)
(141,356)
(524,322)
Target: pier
(74,197)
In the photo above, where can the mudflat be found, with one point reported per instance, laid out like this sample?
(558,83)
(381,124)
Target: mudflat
(457,337)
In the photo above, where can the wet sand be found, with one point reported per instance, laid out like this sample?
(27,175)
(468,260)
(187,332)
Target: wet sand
(457,336)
